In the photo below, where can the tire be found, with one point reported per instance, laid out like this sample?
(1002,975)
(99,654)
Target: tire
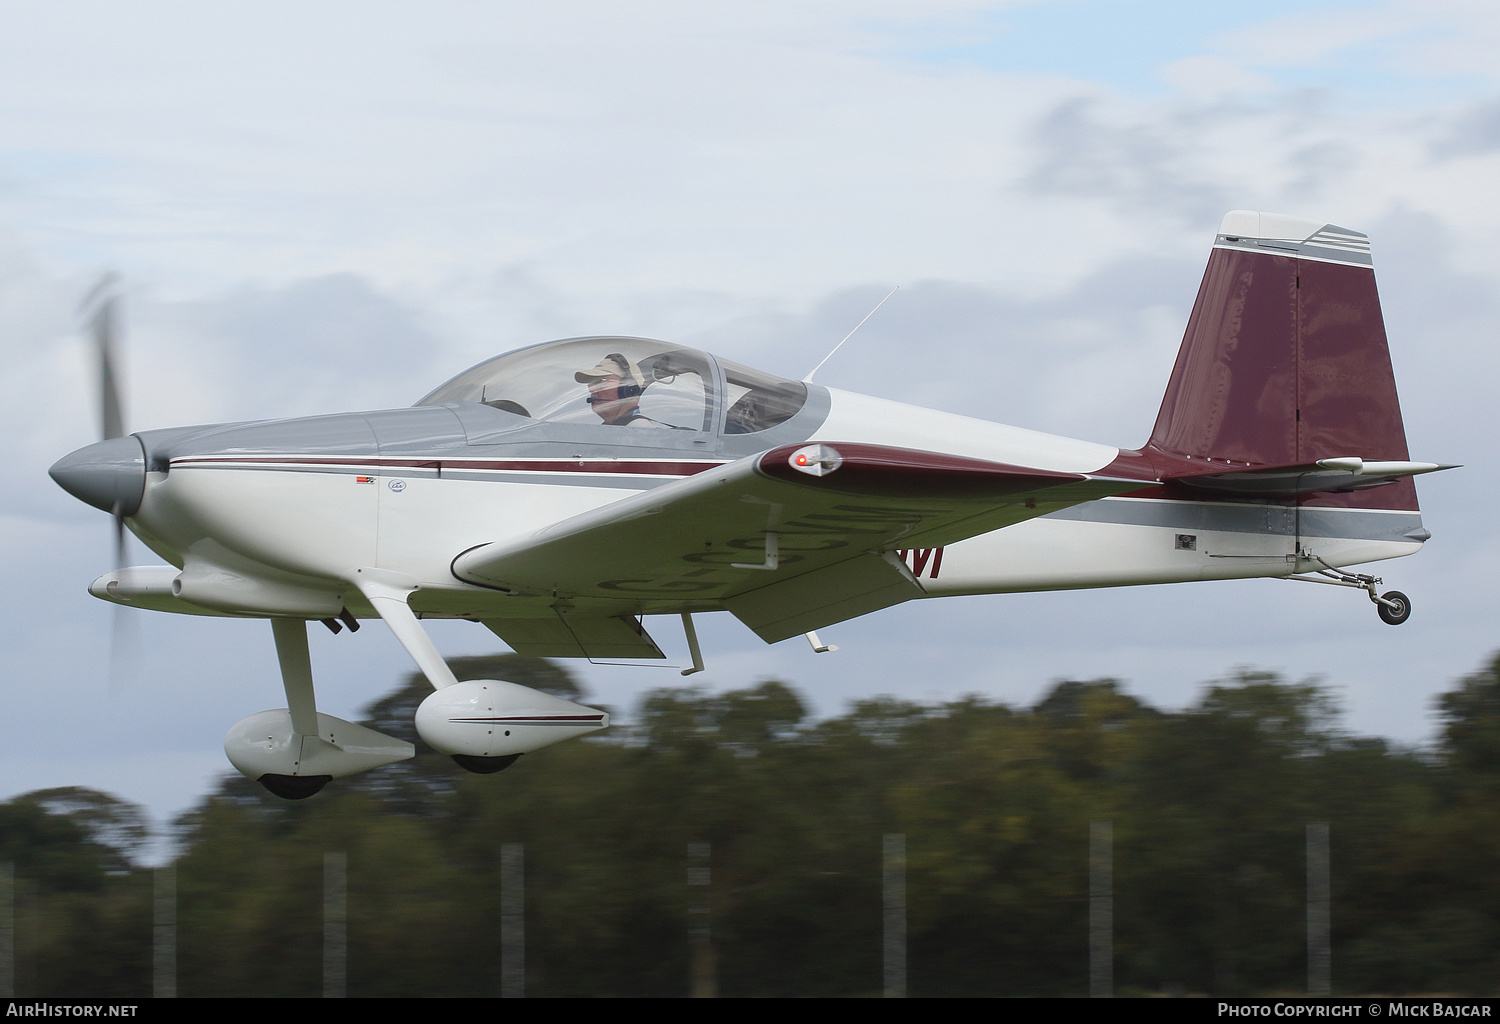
(483,765)
(294,787)
(1397,615)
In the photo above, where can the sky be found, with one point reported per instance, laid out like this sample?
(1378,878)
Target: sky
(336,206)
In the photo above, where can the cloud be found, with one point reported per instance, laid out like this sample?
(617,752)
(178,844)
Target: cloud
(1210,76)
(1193,159)
(1139,166)
(324,344)
(1474,132)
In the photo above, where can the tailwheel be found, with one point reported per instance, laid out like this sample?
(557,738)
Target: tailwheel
(1393,607)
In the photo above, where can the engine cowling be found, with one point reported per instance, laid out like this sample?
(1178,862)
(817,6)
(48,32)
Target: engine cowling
(489,718)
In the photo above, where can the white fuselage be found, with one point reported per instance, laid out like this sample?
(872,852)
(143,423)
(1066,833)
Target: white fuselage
(253,531)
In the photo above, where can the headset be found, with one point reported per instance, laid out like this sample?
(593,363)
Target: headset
(625,390)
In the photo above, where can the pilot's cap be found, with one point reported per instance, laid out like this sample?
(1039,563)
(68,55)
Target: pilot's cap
(612,365)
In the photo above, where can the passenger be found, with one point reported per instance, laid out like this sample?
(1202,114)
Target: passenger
(615,388)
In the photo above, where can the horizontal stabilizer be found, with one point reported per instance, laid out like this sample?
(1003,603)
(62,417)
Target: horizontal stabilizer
(1336,475)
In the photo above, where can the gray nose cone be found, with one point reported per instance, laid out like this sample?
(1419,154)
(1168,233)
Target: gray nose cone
(110,475)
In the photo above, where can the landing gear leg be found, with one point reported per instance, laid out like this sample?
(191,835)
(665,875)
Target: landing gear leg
(295,751)
(296,677)
(1393,607)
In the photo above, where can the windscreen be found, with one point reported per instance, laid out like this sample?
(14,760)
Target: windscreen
(758,400)
(624,382)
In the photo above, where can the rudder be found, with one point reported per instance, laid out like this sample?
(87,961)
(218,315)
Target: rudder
(1285,359)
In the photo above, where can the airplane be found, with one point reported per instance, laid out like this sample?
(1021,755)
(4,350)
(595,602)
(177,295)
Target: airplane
(560,494)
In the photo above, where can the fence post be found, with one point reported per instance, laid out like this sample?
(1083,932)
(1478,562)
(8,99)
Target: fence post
(700,939)
(7,931)
(893,877)
(1101,909)
(335,925)
(1319,912)
(512,921)
(164,933)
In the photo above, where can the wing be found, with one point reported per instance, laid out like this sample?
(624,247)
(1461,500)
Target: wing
(790,540)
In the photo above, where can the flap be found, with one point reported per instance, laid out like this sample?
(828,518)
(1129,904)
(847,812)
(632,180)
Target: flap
(773,517)
(856,586)
(568,635)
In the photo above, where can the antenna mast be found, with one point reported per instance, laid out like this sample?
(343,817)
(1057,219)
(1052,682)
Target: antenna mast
(815,369)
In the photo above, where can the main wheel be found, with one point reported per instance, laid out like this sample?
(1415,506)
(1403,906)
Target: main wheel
(294,787)
(483,765)
(1397,615)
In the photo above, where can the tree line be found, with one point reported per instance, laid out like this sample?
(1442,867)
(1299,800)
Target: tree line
(1209,806)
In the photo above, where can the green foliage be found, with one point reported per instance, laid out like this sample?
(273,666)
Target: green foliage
(1209,804)
(1471,724)
(81,912)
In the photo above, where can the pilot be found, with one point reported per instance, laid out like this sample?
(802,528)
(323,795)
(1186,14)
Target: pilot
(615,388)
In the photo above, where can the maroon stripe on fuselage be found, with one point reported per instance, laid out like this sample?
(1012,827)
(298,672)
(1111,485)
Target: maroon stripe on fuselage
(643,468)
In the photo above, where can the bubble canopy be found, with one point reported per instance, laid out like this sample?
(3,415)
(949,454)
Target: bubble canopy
(634,382)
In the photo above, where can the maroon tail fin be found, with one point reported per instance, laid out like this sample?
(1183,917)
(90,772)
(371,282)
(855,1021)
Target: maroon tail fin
(1285,358)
